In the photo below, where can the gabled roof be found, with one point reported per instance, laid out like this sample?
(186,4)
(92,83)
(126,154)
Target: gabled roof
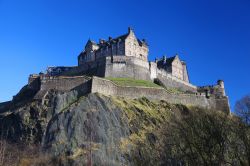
(167,62)
(170,60)
(115,40)
(90,42)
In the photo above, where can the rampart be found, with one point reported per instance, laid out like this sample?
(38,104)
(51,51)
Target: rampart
(96,68)
(170,81)
(127,67)
(107,87)
(212,97)
(63,83)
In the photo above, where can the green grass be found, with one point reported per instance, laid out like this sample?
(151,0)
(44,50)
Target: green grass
(132,82)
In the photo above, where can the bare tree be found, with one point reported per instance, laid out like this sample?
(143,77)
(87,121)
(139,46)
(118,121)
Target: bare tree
(242,109)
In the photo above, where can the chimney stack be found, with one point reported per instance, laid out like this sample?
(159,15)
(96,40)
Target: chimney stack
(130,30)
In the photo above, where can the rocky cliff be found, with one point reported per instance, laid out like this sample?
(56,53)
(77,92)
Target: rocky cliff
(94,128)
(90,130)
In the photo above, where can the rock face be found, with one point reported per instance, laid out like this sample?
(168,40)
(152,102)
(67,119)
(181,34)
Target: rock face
(91,125)
(93,129)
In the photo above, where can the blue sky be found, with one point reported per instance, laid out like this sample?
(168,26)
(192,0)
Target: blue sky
(212,36)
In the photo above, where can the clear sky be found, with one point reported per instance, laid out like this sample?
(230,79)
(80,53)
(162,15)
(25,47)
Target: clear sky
(212,36)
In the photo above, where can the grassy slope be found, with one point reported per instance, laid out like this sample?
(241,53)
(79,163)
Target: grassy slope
(146,119)
(132,82)
(144,83)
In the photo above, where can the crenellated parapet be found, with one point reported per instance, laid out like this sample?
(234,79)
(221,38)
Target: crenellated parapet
(213,90)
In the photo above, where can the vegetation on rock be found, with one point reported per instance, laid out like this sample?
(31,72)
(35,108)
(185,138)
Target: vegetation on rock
(69,129)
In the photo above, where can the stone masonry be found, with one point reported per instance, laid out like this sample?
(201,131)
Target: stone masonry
(127,56)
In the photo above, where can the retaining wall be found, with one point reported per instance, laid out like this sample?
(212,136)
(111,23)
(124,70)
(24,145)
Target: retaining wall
(62,83)
(109,88)
(170,81)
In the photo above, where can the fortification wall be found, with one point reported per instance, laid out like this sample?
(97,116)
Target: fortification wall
(173,82)
(130,67)
(96,68)
(168,80)
(62,83)
(109,88)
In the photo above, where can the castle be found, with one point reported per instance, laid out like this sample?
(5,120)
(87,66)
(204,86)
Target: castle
(126,56)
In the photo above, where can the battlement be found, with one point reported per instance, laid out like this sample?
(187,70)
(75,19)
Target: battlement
(216,90)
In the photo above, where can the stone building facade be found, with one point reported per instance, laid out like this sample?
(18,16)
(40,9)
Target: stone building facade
(174,66)
(127,56)
(125,45)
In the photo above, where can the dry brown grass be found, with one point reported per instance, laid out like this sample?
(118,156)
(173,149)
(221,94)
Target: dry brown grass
(23,155)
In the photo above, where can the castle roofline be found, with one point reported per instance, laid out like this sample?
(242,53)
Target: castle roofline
(123,37)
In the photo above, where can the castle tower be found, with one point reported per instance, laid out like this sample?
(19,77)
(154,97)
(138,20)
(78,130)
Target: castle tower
(221,85)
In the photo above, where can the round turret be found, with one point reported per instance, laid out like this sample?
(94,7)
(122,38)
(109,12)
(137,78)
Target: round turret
(221,83)
(221,89)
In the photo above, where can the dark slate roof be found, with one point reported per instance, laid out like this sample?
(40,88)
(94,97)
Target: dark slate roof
(142,42)
(168,61)
(90,42)
(115,40)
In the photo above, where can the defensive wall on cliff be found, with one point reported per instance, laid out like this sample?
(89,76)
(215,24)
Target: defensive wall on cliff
(107,87)
(170,81)
(96,84)
(129,67)
(212,97)
(63,83)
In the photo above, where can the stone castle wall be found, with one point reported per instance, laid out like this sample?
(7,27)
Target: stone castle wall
(87,85)
(96,68)
(62,83)
(131,67)
(170,81)
(109,88)
(127,67)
